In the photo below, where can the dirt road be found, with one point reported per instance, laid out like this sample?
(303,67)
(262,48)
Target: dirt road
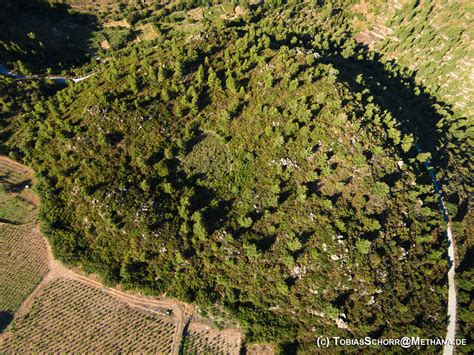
(452,295)
(451,331)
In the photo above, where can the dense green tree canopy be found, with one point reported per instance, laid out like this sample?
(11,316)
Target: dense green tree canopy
(260,167)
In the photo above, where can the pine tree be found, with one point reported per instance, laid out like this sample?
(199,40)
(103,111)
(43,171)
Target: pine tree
(230,82)
(200,76)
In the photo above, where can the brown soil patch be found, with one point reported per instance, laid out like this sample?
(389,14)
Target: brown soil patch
(104,44)
(202,339)
(196,14)
(121,23)
(257,349)
(239,10)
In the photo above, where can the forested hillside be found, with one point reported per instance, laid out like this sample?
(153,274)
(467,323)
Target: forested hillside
(259,162)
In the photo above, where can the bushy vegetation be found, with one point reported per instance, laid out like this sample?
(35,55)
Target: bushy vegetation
(261,165)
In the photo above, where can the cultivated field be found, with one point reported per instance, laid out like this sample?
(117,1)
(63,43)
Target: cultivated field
(22,264)
(13,173)
(70,316)
(16,202)
(23,254)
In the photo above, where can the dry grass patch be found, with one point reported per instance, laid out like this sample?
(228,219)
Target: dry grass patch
(104,44)
(202,339)
(147,32)
(196,14)
(121,23)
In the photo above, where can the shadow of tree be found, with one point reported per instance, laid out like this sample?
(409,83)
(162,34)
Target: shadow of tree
(392,88)
(18,187)
(396,92)
(5,319)
(44,35)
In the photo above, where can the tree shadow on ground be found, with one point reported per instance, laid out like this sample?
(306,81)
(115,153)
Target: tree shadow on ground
(5,319)
(428,119)
(396,92)
(18,187)
(43,35)
(391,88)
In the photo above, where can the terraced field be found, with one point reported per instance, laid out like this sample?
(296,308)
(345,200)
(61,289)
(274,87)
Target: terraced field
(13,173)
(23,259)
(74,317)
(22,264)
